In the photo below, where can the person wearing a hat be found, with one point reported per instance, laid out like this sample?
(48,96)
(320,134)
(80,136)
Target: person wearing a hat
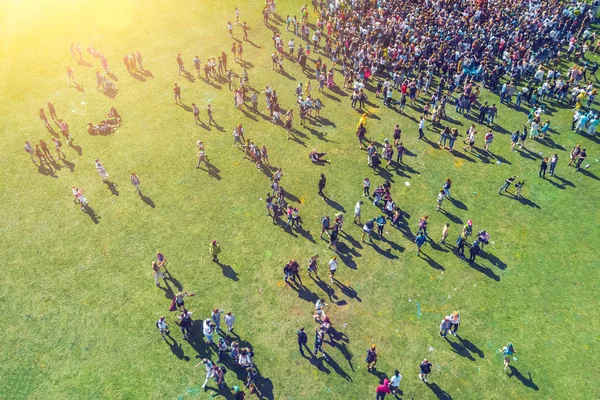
(371,358)
(425,370)
(215,250)
(468,229)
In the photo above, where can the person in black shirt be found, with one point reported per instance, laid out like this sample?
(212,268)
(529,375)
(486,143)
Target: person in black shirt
(543,167)
(425,370)
(322,183)
(333,238)
(302,339)
(508,182)
(473,251)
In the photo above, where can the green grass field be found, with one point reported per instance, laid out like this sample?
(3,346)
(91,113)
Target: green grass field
(78,299)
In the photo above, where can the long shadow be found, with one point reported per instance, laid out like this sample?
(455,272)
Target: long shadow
(167,289)
(326,288)
(137,76)
(305,234)
(112,187)
(84,63)
(485,270)
(185,107)
(228,271)
(348,291)
(77,148)
(336,367)
(380,375)
(111,93)
(493,259)
(147,200)
(305,294)
(460,350)
(213,171)
(525,381)
(471,347)
(451,217)
(79,88)
(68,164)
(457,203)
(318,363)
(175,282)
(176,349)
(564,181)
(334,204)
(92,214)
(148,73)
(588,174)
(432,263)
(343,252)
(438,391)
(386,253)
(461,155)
(189,77)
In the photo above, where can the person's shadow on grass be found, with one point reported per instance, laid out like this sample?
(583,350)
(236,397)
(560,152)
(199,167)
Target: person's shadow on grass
(228,271)
(438,391)
(525,381)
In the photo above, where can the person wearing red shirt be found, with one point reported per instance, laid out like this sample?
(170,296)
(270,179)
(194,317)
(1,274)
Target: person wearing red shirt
(383,389)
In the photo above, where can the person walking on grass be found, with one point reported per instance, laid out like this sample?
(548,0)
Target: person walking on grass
(101,170)
(209,112)
(519,188)
(135,181)
(543,167)
(383,389)
(312,266)
(421,127)
(333,265)
(473,251)
(424,370)
(553,162)
(440,199)
(507,184)
(321,185)
(163,328)
(357,208)
(325,225)
(366,187)
(460,245)
(229,321)
(395,382)
(196,112)
(180,67)
(71,76)
(302,340)
(208,328)
(444,327)
(208,365)
(157,273)
(420,240)
(371,358)
(215,315)
(201,155)
(215,250)
(177,94)
(514,139)
(489,137)
(454,322)
(446,187)
(444,233)
(319,336)
(29,149)
(57,146)
(508,352)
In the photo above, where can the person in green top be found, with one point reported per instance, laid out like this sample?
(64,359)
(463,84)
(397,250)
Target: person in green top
(215,250)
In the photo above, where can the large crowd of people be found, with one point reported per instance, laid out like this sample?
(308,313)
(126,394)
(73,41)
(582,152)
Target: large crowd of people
(424,54)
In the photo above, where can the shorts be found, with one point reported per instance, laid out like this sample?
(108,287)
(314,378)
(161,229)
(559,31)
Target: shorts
(209,337)
(367,230)
(471,143)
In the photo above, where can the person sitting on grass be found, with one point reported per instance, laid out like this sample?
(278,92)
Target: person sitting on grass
(316,157)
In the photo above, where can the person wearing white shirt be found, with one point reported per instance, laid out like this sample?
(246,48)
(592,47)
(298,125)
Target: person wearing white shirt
(208,365)
(229,321)
(332,268)
(395,382)
(357,212)
(421,127)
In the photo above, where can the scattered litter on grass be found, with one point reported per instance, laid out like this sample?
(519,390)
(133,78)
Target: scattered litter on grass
(409,300)
(474,285)
(498,162)
(431,349)
(493,242)
(72,111)
(260,199)
(541,153)
(345,325)
(515,358)
(83,102)
(587,165)
(475,193)
(407,183)
(18,194)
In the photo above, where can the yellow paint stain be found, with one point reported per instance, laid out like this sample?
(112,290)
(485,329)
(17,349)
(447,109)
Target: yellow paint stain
(302,200)
(458,163)
(280,283)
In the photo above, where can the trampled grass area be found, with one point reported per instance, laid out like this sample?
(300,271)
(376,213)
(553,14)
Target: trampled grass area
(79,302)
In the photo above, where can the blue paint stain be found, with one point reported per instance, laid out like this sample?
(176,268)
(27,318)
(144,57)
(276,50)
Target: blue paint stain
(418,309)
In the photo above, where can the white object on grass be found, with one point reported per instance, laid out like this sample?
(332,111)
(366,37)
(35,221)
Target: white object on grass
(407,183)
